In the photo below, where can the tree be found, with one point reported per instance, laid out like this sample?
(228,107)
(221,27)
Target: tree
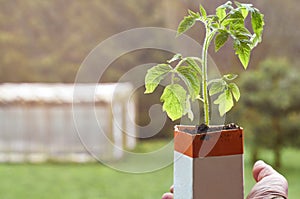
(271,106)
(46,41)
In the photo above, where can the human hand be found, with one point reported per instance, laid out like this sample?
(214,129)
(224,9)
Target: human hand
(270,184)
(169,195)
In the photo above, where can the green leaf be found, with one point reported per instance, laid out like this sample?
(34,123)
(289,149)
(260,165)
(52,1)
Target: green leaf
(242,38)
(175,58)
(221,12)
(191,78)
(217,86)
(174,101)
(227,5)
(225,102)
(244,12)
(215,25)
(155,75)
(243,51)
(236,14)
(191,62)
(202,11)
(235,91)
(230,76)
(254,41)
(186,24)
(220,39)
(194,14)
(188,109)
(213,19)
(220,98)
(247,6)
(239,28)
(257,21)
(226,22)
(234,20)
(244,8)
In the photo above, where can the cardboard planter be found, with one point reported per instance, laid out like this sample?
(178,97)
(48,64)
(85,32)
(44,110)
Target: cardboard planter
(208,165)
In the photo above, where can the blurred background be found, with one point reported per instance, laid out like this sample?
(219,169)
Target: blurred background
(46,42)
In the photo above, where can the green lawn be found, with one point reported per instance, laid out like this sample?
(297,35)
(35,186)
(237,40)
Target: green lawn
(95,181)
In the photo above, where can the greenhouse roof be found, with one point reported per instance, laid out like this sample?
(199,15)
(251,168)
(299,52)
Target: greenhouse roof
(63,93)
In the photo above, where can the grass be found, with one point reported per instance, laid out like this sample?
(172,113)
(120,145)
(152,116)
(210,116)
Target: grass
(96,181)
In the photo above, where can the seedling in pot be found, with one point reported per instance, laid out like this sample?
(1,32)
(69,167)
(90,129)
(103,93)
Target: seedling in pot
(228,22)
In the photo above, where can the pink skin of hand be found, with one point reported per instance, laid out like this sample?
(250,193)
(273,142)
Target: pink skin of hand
(269,183)
(169,195)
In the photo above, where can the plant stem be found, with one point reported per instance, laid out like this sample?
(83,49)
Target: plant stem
(172,78)
(208,37)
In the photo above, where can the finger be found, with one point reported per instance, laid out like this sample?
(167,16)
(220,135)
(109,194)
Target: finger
(261,170)
(172,189)
(269,182)
(167,196)
(270,186)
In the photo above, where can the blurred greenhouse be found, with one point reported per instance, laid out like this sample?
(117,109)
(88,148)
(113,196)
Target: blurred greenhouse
(64,122)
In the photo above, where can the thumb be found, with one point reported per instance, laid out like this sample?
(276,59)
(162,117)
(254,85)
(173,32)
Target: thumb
(269,182)
(261,170)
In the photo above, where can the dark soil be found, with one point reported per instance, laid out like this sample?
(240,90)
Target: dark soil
(203,128)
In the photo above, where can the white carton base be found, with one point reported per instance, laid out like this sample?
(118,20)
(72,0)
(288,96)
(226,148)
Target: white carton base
(217,177)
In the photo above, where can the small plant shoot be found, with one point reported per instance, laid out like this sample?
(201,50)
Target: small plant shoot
(228,22)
